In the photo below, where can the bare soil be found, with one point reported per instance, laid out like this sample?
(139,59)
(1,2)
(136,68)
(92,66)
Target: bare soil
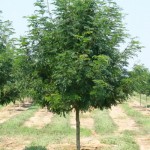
(122,120)
(142,109)
(10,111)
(73,147)
(86,121)
(40,119)
(143,142)
(126,123)
(43,117)
(8,143)
(87,143)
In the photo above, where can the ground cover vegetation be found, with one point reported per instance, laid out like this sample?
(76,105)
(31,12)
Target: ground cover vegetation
(59,133)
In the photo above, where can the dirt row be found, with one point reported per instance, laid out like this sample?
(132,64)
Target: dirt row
(7,143)
(142,109)
(40,119)
(88,143)
(12,110)
(126,123)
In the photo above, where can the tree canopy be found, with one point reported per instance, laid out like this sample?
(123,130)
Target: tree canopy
(140,76)
(75,55)
(8,90)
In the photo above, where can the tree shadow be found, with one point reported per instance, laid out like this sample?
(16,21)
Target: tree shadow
(35,148)
(148,106)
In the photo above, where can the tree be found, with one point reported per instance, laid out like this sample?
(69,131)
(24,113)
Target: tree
(76,58)
(140,78)
(147,92)
(8,90)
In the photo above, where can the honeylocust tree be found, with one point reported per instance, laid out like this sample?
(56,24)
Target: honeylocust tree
(77,61)
(140,78)
(147,91)
(8,90)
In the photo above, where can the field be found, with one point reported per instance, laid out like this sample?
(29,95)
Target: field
(28,127)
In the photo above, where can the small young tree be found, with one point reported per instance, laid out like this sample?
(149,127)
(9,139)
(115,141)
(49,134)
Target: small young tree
(140,75)
(76,58)
(8,91)
(147,92)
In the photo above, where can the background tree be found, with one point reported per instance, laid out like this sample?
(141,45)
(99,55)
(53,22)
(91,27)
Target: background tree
(76,58)
(140,77)
(22,67)
(8,90)
(147,92)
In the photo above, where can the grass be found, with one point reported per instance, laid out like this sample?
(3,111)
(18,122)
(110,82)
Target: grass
(105,126)
(13,125)
(142,120)
(60,131)
(124,141)
(103,122)
(35,148)
(55,132)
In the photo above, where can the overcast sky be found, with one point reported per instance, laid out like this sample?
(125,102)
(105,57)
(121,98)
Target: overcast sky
(138,20)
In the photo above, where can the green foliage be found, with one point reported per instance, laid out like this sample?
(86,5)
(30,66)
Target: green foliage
(140,76)
(35,148)
(75,56)
(8,90)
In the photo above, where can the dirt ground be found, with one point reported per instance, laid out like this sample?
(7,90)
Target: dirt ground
(11,110)
(40,119)
(142,109)
(87,143)
(73,147)
(126,123)
(86,120)
(8,143)
(122,120)
(144,142)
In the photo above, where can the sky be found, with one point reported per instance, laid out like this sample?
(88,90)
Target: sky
(137,21)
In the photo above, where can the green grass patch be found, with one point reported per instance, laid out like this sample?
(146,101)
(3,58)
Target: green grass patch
(58,129)
(13,126)
(103,123)
(59,125)
(35,148)
(142,120)
(124,141)
(55,132)
(85,132)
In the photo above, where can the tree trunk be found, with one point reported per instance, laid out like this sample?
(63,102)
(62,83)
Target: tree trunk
(140,99)
(77,129)
(146,102)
